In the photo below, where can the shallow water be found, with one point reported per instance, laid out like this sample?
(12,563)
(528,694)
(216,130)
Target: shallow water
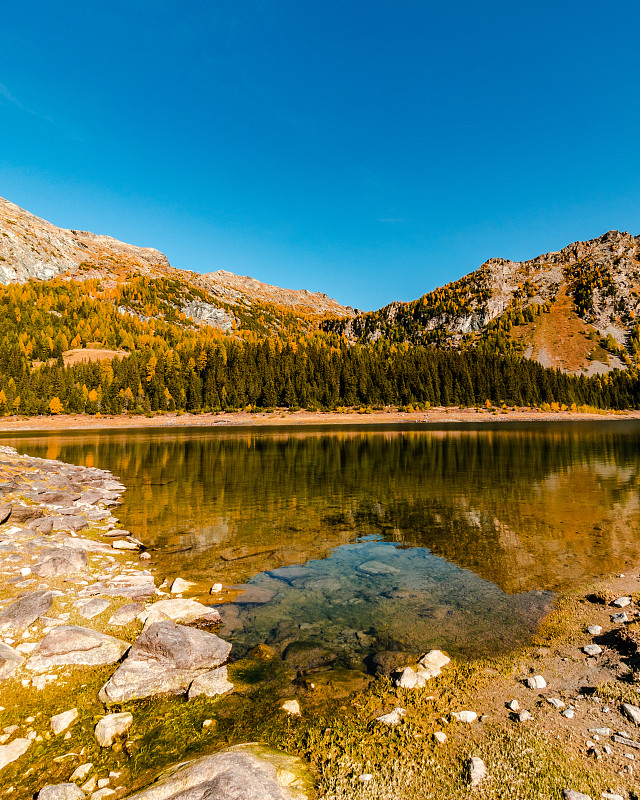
(406,538)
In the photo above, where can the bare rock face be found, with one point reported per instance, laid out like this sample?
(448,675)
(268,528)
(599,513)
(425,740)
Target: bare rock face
(34,248)
(244,772)
(10,660)
(58,562)
(165,659)
(25,611)
(71,645)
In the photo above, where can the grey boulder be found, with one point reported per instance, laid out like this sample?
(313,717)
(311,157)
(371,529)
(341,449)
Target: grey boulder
(211,684)
(165,659)
(243,772)
(25,611)
(60,791)
(72,645)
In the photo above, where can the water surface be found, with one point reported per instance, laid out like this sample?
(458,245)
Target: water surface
(404,538)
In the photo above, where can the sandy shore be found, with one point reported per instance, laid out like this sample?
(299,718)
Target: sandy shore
(283,417)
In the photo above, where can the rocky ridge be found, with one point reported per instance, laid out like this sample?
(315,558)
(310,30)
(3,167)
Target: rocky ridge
(591,289)
(34,249)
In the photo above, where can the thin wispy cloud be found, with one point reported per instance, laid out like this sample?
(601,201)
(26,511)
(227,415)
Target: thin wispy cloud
(6,95)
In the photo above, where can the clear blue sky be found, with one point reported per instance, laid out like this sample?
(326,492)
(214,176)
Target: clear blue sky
(372,150)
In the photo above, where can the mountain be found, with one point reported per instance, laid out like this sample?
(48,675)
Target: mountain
(33,249)
(575,309)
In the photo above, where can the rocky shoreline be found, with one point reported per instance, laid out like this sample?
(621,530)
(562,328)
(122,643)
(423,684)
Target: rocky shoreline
(90,648)
(76,597)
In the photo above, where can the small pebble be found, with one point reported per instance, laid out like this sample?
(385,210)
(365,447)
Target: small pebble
(594,630)
(569,713)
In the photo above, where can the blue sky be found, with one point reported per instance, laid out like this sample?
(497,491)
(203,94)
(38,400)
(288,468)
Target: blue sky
(372,150)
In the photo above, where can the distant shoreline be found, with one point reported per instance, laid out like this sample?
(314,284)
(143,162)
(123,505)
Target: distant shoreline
(76,422)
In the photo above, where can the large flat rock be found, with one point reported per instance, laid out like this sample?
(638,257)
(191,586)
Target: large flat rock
(134,587)
(165,659)
(58,562)
(72,645)
(243,772)
(10,660)
(25,611)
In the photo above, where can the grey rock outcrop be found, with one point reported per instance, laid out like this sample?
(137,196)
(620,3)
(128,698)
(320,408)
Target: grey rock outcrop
(72,645)
(243,772)
(165,659)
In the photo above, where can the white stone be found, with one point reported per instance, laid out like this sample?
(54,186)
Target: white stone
(25,571)
(632,712)
(365,777)
(536,682)
(556,702)
(433,662)
(393,717)
(292,707)
(440,737)
(592,649)
(112,726)
(90,785)
(124,544)
(101,793)
(465,716)
(408,679)
(611,796)
(180,585)
(81,772)
(60,722)
(621,602)
(477,771)
(102,782)
(216,588)
(620,617)
(594,630)
(525,716)
(569,713)
(513,705)
(12,752)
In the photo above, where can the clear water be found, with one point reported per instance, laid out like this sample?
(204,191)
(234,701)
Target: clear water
(404,538)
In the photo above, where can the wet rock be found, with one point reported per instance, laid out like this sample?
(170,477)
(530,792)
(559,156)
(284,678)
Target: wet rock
(165,659)
(254,595)
(25,611)
(10,660)
(61,722)
(126,614)
(393,717)
(58,562)
(75,646)
(465,716)
(477,771)
(20,513)
(632,712)
(592,649)
(11,752)
(377,568)
(111,727)
(307,656)
(60,791)
(536,682)
(211,684)
(182,610)
(92,608)
(621,602)
(292,707)
(243,772)
(387,662)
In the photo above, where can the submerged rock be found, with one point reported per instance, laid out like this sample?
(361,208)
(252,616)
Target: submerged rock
(135,587)
(243,772)
(165,659)
(377,568)
(25,611)
(76,646)
(254,595)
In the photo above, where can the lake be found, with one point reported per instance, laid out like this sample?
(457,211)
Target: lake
(352,541)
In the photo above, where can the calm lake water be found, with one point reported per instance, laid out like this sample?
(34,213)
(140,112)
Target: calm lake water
(356,540)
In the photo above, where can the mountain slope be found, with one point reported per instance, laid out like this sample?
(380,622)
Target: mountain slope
(33,249)
(574,309)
